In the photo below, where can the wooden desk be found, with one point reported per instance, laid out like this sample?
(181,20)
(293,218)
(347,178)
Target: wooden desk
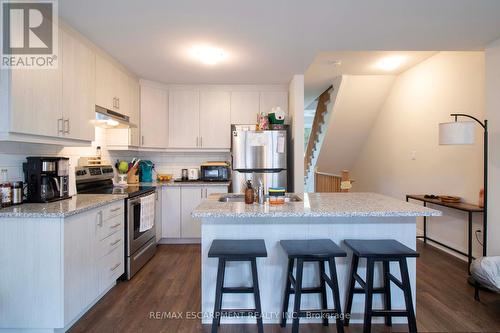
(465,207)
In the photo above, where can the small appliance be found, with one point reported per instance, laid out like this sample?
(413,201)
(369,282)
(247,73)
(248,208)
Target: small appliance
(193,174)
(140,246)
(146,171)
(47,178)
(215,172)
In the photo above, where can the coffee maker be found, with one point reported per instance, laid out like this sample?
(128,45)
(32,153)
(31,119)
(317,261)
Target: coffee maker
(47,178)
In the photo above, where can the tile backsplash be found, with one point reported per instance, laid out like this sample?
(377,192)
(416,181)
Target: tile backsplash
(13,154)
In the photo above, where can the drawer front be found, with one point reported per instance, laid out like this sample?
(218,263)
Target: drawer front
(111,267)
(110,243)
(107,227)
(114,209)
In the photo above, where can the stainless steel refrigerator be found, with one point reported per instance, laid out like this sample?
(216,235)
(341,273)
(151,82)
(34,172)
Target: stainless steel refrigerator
(259,156)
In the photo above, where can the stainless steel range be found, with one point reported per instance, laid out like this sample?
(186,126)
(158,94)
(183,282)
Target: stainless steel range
(140,246)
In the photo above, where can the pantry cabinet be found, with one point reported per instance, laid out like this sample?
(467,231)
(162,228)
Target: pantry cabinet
(154,117)
(184,120)
(171,212)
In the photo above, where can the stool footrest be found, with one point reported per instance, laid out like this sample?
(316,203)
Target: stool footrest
(238,312)
(391,313)
(314,290)
(375,291)
(237,290)
(328,280)
(306,313)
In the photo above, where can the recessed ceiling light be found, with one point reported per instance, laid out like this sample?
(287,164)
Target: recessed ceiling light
(390,63)
(208,55)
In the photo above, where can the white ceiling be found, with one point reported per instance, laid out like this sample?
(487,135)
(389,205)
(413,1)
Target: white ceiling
(268,41)
(323,69)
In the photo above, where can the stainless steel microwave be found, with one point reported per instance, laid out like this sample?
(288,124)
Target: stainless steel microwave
(215,172)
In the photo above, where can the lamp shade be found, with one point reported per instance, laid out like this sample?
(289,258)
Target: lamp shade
(457,133)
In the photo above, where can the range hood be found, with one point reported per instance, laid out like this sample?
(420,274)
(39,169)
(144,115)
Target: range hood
(105,118)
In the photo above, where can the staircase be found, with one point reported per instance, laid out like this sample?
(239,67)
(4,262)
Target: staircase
(319,127)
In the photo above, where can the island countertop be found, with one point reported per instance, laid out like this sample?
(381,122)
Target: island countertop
(316,205)
(62,208)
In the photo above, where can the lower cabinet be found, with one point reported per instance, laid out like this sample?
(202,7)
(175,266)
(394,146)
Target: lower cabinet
(177,205)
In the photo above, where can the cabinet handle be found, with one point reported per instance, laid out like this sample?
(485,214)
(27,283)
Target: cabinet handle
(142,140)
(116,225)
(115,209)
(201,141)
(60,125)
(201,193)
(115,242)
(66,126)
(206,193)
(100,219)
(115,267)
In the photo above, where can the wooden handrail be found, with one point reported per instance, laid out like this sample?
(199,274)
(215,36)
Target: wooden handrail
(319,117)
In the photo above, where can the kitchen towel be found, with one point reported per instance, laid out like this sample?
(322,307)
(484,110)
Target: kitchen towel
(147,213)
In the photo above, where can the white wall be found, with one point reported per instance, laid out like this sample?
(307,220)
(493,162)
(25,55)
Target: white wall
(296,113)
(493,116)
(356,107)
(407,125)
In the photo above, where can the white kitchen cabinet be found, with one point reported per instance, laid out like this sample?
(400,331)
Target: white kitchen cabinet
(191,197)
(36,101)
(78,89)
(184,120)
(154,117)
(244,107)
(215,119)
(171,212)
(270,99)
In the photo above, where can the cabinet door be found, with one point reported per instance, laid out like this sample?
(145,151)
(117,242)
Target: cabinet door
(122,93)
(184,111)
(78,89)
(36,98)
(105,79)
(81,280)
(134,112)
(270,99)
(190,198)
(215,119)
(171,212)
(154,117)
(244,107)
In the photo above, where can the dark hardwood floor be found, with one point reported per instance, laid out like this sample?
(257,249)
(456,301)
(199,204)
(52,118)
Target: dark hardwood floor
(170,282)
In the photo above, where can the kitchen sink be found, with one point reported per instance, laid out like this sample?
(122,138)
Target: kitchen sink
(289,197)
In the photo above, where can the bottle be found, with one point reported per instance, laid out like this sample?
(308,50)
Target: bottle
(249,193)
(5,190)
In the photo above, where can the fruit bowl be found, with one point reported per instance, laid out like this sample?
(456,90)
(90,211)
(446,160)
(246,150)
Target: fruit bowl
(164,177)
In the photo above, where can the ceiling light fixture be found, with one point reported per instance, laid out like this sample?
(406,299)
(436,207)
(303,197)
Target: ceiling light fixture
(390,63)
(208,55)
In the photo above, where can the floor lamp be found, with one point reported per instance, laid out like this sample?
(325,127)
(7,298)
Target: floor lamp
(463,133)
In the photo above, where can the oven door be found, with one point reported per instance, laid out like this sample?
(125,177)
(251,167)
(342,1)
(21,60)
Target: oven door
(135,238)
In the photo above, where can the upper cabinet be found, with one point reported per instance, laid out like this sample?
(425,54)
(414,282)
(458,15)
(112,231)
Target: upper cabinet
(78,89)
(112,87)
(184,120)
(154,117)
(215,119)
(52,105)
(244,107)
(271,99)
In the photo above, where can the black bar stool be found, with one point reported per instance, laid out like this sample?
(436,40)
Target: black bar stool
(385,251)
(320,251)
(237,250)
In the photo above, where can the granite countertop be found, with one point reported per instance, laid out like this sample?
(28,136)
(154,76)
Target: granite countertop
(188,183)
(63,208)
(316,205)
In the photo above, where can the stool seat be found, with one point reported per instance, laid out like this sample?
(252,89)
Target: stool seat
(379,248)
(237,248)
(312,248)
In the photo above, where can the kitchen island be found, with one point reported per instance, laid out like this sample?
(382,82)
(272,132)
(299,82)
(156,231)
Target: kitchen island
(336,216)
